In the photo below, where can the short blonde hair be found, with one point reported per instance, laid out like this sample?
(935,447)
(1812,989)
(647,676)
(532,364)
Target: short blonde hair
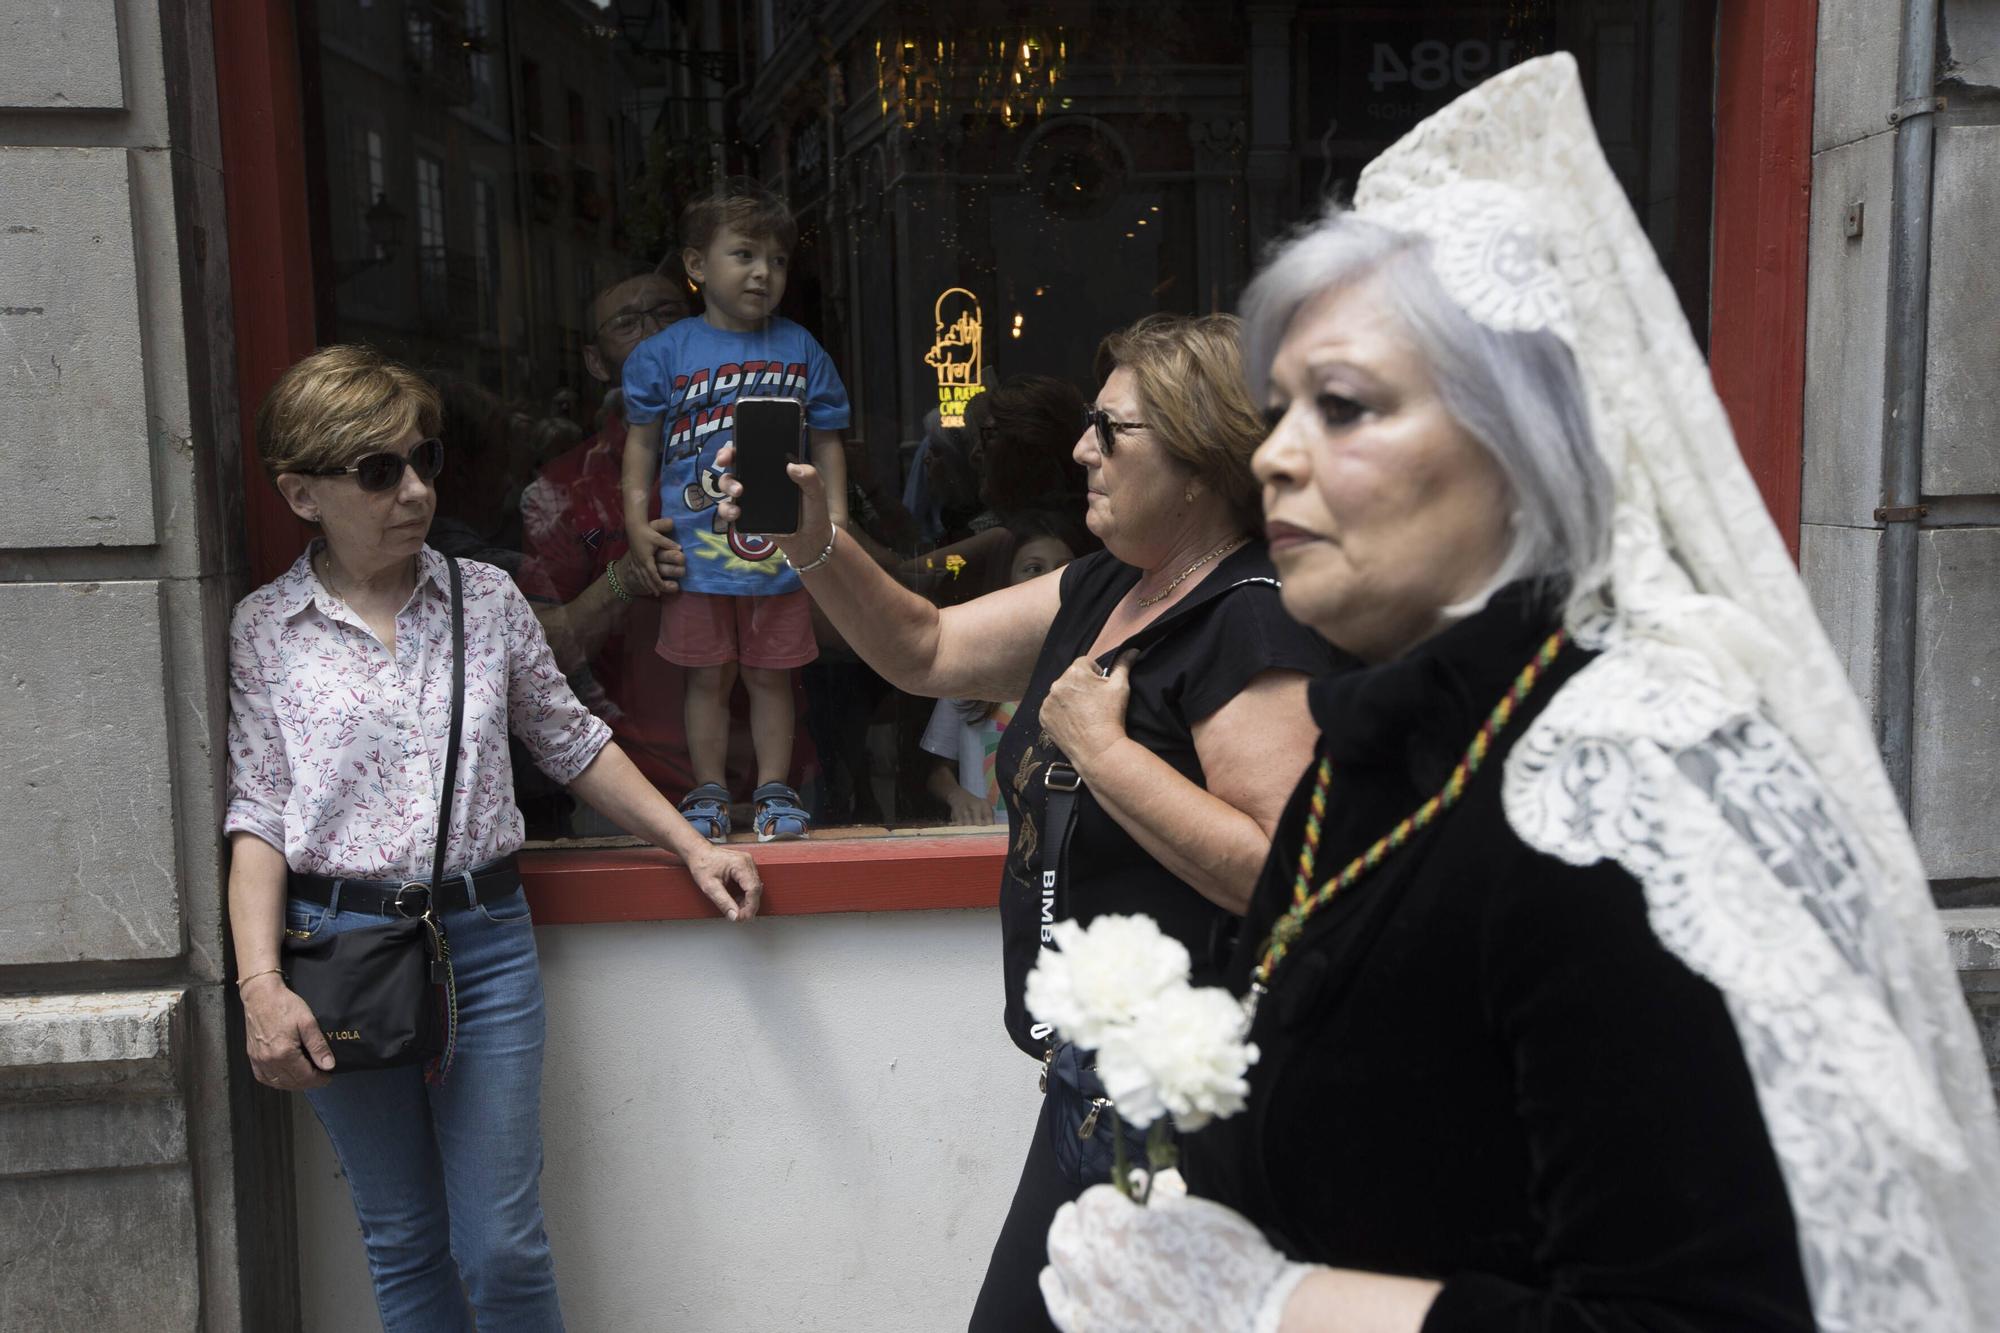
(340,404)
(1188,370)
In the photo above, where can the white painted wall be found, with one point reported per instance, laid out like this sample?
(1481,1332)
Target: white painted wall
(806,1123)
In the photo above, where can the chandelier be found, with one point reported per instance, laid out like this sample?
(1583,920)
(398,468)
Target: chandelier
(1006,71)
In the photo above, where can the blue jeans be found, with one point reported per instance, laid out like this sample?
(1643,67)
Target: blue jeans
(447,1179)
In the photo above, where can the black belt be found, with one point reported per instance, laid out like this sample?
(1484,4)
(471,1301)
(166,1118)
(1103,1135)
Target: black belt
(388,897)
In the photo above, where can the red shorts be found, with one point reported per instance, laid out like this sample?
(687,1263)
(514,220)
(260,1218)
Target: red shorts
(705,629)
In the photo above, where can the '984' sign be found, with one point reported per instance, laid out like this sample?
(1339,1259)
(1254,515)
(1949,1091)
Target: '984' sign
(1431,66)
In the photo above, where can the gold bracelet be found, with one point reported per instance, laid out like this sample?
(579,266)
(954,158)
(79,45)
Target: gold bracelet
(823,557)
(241,981)
(617,588)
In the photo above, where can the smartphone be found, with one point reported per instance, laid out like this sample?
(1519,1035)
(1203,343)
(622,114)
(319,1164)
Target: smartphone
(769,433)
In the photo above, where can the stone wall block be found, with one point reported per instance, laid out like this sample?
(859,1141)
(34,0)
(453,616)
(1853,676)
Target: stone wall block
(1855,70)
(1847,315)
(61,57)
(1972,42)
(1955,786)
(52,1136)
(74,426)
(127,1038)
(1961,408)
(197,643)
(110,1252)
(1839,566)
(96,1197)
(183,476)
(87,846)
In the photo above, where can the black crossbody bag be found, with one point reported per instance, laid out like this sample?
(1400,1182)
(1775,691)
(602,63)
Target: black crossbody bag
(384,995)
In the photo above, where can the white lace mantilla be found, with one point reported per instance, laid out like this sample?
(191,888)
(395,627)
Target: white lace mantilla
(1715,749)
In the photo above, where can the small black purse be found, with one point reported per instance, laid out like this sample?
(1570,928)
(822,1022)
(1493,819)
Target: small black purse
(384,995)
(1081,1137)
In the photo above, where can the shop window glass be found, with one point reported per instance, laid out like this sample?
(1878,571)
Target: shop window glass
(982,190)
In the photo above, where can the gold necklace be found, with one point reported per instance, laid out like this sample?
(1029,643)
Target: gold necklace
(1180,578)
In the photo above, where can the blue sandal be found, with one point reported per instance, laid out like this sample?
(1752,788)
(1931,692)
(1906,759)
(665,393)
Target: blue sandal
(780,817)
(707,809)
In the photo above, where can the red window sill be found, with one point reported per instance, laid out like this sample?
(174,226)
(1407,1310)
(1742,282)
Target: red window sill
(822,874)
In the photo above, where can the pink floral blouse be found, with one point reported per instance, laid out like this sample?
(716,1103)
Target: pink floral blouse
(336,749)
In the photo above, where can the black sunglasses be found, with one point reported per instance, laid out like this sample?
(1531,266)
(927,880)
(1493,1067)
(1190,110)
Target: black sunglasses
(384,471)
(1096,418)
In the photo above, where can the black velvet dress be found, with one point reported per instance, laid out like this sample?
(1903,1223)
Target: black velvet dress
(1479,1065)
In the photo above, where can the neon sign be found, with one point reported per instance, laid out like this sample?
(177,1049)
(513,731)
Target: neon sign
(955,353)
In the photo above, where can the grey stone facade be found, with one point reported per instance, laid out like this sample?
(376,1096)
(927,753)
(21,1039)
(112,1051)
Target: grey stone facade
(142,1179)
(1955,726)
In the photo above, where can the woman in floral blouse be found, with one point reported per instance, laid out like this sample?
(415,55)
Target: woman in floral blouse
(340,707)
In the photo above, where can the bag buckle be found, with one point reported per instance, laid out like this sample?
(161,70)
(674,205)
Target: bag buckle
(418,887)
(1059,776)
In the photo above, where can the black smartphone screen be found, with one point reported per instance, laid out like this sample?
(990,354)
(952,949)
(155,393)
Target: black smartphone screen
(769,433)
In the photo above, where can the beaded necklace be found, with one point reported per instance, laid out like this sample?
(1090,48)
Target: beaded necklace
(1306,900)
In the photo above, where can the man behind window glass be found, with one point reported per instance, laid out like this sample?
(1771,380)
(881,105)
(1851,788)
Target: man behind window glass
(597,614)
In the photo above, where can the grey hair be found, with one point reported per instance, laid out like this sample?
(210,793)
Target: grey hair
(1519,394)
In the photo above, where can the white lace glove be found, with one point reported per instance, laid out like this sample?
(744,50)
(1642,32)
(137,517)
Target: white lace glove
(1182,1265)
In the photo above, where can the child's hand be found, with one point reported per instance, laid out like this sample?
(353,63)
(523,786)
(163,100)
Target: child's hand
(652,553)
(967,808)
(670,562)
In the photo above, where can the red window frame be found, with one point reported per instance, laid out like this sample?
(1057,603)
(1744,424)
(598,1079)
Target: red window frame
(1763,177)
(1764,57)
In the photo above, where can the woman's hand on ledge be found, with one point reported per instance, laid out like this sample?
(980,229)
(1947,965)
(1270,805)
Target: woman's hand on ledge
(729,878)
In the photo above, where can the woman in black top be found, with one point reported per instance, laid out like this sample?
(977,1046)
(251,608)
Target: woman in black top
(1162,671)
(1594,977)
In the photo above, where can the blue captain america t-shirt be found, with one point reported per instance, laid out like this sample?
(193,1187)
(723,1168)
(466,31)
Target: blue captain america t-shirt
(688,376)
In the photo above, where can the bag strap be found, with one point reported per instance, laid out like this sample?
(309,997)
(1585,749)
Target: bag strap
(457,720)
(1063,785)
(1175,618)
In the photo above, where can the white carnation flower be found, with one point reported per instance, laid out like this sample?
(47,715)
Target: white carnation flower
(1184,1056)
(1101,977)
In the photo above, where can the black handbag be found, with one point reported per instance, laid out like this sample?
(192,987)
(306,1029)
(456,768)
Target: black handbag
(1080,1120)
(384,995)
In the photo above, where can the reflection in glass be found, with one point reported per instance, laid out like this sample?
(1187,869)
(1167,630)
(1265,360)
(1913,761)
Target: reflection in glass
(496,186)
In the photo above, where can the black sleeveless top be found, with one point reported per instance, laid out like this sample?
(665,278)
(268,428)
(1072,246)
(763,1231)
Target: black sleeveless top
(1193,660)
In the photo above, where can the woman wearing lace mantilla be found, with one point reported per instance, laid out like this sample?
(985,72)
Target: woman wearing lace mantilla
(1595,976)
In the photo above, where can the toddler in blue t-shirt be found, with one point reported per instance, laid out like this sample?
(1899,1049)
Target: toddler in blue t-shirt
(741,609)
